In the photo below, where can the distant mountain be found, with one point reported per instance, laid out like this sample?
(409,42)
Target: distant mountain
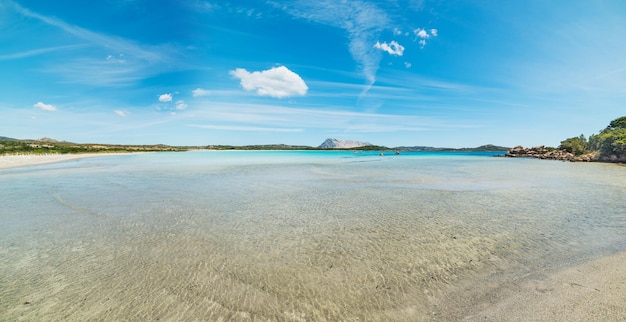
(44,139)
(417,148)
(490,148)
(342,144)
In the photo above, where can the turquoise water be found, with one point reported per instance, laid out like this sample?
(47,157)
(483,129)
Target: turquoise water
(291,235)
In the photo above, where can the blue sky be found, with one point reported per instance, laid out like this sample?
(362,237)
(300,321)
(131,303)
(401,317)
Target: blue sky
(413,72)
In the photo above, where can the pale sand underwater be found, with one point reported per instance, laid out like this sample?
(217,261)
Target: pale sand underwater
(161,237)
(594,290)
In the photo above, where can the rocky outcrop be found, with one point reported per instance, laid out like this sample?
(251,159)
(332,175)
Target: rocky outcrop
(541,152)
(613,158)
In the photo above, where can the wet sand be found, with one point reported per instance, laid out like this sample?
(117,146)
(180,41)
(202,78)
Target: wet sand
(24,160)
(591,291)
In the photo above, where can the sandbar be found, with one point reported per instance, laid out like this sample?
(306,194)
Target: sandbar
(24,160)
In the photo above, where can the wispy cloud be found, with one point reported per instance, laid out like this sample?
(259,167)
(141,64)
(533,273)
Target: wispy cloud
(121,113)
(244,128)
(204,6)
(277,82)
(270,116)
(43,106)
(181,105)
(361,20)
(37,52)
(115,43)
(95,67)
(199,92)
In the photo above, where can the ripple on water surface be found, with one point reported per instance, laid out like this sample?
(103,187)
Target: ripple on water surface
(340,237)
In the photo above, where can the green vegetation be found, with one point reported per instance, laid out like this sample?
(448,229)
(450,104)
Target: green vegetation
(575,145)
(47,146)
(609,144)
(612,140)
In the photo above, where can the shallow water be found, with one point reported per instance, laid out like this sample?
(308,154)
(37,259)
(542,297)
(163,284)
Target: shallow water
(254,235)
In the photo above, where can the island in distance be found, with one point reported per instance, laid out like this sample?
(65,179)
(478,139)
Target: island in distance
(342,144)
(333,143)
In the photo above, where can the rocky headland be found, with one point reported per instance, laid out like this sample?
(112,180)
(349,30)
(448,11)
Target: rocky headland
(541,152)
(607,146)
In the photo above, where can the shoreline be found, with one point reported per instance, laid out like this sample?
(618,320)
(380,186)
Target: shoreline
(593,290)
(12,161)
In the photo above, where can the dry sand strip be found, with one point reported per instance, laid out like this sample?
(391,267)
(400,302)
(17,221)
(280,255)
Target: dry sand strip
(24,160)
(593,291)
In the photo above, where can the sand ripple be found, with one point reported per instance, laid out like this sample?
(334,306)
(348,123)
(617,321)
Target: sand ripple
(288,243)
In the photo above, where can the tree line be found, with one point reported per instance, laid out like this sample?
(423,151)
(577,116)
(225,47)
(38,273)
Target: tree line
(610,141)
(12,146)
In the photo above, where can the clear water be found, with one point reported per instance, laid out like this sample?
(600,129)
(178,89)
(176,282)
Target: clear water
(298,235)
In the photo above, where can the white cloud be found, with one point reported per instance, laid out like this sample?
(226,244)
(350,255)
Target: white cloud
(421,33)
(424,34)
(47,107)
(118,59)
(200,92)
(180,105)
(275,82)
(121,113)
(407,64)
(393,48)
(165,98)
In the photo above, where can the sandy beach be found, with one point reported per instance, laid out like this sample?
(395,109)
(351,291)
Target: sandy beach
(591,291)
(23,160)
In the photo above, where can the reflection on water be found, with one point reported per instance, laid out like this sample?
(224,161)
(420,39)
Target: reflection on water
(289,235)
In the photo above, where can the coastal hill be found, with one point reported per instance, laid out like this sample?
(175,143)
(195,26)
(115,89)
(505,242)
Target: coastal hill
(342,144)
(48,145)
